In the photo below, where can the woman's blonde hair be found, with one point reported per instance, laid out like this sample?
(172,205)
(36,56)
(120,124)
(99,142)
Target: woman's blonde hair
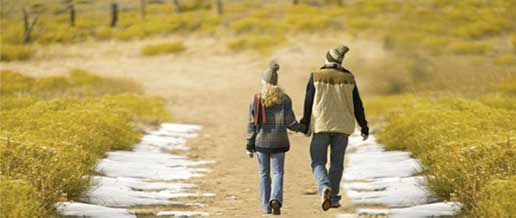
(271,94)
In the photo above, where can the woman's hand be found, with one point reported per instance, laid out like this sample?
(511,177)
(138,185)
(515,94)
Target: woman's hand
(250,154)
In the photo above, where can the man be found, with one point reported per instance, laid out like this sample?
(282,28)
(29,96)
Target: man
(332,104)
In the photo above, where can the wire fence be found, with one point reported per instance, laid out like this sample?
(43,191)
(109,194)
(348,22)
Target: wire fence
(12,9)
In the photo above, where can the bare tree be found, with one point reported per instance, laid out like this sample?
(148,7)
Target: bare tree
(28,25)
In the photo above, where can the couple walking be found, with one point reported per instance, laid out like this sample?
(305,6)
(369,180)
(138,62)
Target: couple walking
(332,104)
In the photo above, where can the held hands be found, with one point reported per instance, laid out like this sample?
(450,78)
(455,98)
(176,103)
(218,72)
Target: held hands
(308,133)
(250,154)
(364,136)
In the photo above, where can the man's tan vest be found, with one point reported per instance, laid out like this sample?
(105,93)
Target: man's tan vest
(333,110)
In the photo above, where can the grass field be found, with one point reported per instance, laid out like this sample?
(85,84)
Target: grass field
(476,35)
(467,147)
(55,128)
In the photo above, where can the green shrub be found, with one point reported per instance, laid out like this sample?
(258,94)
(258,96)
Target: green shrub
(463,145)
(48,170)
(97,126)
(163,48)
(496,199)
(52,84)
(16,102)
(78,83)
(103,33)
(307,18)
(480,29)
(40,138)
(12,32)
(15,52)
(12,81)
(195,5)
(142,109)
(386,105)
(470,48)
(507,87)
(132,32)
(505,60)
(508,103)
(79,77)
(159,9)
(19,199)
(513,40)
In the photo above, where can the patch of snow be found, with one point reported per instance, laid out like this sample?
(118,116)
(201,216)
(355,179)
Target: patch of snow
(126,192)
(181,213)
(375,176)
(346,215)
(369,160)
(147,170)
(92,211)
(129,177)
(420,211)
(393,192)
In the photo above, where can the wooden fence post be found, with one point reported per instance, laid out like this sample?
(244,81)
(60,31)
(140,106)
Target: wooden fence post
(72,14)
(114,14)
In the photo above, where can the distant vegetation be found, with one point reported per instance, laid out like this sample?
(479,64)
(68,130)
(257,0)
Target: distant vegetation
(432,46)
(163,48)
(54,129)
(439,23)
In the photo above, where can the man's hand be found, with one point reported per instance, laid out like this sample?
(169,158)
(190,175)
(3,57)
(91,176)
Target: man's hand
(250,154)
(364,136)
(308,134)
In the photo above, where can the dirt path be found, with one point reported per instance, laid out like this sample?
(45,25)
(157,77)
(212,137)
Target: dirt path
(209,86)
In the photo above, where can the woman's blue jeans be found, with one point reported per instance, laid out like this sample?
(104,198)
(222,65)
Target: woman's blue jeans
(268,191)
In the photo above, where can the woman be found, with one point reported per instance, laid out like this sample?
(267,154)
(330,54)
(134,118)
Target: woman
(270,114)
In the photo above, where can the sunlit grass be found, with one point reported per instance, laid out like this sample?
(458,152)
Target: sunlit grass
(50,122)
(163,48)
(441,28)
(463,145)
(15,52)
(470,48)
(505,60)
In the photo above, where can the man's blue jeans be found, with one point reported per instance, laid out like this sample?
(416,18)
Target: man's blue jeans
(264,168)
(319,154)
